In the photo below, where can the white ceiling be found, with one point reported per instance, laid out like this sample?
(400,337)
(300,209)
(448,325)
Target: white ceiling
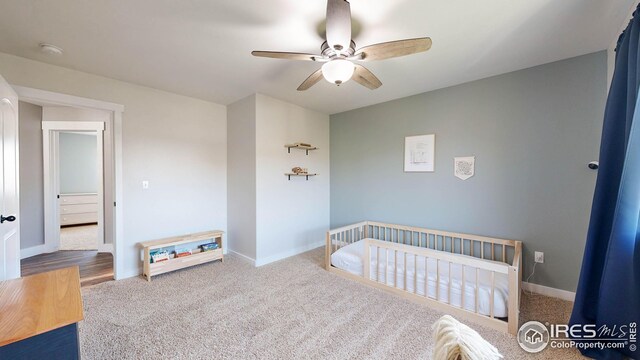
(202,48)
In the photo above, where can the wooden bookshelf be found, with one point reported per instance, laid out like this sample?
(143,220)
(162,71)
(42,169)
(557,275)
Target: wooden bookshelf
(197,257)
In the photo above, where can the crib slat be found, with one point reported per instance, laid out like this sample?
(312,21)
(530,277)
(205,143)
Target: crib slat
(415,273)
(386,266)
(493,286)
(504,258)
(426,277)
(377,264)
(438,279)
(477,286)
(367,261)
(463,289)
(395,268)
(405,271)
(493,254)
(449,288)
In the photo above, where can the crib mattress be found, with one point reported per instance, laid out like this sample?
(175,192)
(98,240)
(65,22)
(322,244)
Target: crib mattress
(350,258)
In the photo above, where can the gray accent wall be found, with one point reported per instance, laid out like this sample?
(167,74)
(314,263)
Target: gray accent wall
(31,176)
(532,132)
(78,163)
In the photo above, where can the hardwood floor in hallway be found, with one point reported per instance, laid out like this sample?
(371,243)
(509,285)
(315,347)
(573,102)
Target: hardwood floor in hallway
(95,267)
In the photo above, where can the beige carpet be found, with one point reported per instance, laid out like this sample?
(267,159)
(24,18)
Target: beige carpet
(292,309)
(83,237)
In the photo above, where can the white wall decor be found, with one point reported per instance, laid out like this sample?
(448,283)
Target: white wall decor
(464,167)
(419,153)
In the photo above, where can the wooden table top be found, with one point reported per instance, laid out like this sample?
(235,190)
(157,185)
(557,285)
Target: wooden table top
(39,303)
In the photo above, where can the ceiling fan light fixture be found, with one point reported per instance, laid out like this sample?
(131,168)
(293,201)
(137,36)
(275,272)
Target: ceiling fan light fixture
(338,71)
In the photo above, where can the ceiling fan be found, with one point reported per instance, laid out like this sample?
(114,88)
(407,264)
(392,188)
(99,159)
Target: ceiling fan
(339,52)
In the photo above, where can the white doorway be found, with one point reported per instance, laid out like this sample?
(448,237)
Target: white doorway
(9,191)
(73,156)
(111,127)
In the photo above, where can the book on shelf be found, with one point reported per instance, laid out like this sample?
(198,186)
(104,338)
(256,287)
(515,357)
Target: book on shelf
(183,252)
(209,246)
(159,256)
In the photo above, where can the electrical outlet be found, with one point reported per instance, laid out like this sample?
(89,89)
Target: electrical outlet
(145,184)
(539,257)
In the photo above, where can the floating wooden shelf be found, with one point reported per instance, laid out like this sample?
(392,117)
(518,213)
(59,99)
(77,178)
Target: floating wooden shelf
(301,147)
(289,175)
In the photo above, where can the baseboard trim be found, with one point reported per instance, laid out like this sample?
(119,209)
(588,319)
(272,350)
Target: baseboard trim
(549,291)
(33,251)
(243,257)
(288,253)
(106,248)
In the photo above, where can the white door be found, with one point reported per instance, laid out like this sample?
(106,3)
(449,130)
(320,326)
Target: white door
(9,201)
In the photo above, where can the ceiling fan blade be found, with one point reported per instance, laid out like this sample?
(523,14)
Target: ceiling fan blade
(311,80)
(286,55)
(338,24)
(393,49)
(364,77)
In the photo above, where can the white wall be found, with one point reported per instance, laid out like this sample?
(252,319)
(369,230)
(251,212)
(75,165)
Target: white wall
(175,142)
(270,217)
(292,216)
(241,175)
(31,175)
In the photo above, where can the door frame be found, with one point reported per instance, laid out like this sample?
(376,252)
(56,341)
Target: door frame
(52,98)
(51,159)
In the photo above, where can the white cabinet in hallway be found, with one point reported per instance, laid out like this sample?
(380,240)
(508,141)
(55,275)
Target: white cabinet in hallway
(78,209)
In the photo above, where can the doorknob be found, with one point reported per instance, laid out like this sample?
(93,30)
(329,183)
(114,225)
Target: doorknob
(8,218)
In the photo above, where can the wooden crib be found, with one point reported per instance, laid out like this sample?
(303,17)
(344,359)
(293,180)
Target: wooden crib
(498,257)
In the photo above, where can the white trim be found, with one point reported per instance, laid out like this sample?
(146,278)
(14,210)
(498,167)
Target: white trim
(53,98)
(63,126)
(244,257)
(118,234)
(33,251)
(51,145)
(549,291)
(105,248)
(288,253)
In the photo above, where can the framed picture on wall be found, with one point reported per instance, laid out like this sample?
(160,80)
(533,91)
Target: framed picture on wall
(419,153)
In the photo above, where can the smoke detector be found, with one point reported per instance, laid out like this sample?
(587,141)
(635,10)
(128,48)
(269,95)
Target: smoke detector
(50,49)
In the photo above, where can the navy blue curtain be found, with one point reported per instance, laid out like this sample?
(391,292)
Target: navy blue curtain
(609,288)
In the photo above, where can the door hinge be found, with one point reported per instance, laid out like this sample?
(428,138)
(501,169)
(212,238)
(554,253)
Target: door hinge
(114,203)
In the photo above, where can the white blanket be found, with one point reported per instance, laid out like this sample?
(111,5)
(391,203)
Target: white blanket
(350,258)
